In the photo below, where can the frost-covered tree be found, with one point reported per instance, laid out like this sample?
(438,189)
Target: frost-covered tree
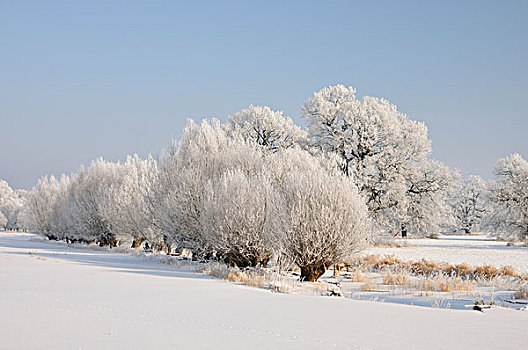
(132,210)
(269,129)
(380,148)
(236,218)
(509,197)
(203,153)
(469,203)
(3,221)
(427,205)
(41,201)
(91,204)
(11,204)
(321,220)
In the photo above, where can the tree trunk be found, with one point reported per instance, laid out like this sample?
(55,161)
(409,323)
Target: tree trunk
(137,242)
(311,273)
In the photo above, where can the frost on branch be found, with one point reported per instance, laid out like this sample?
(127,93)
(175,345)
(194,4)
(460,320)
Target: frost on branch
(267,128)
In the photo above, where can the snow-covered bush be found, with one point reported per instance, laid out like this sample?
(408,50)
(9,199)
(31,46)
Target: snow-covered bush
(509,198)
(321,220)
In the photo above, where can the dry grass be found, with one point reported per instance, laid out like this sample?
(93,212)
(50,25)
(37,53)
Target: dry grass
(443,283)
(426,267)
(247,278)
(486,271)
(370,260)
(508,271)
(462,269)
(510,244)
(396,279)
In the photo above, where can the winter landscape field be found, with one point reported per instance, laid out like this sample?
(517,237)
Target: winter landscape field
(263,174)
(55,296)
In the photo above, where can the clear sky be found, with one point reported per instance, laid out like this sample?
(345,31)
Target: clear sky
(83,79)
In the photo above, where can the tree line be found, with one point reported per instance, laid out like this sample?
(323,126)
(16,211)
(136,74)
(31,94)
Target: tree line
(259,188)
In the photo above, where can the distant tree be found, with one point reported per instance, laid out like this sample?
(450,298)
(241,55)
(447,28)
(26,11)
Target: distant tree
(509,197)
(427,207)
(41,203)
(11,204)
(469,203)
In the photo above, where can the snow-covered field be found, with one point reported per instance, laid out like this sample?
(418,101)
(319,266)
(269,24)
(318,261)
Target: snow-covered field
(472,249)
(56,297)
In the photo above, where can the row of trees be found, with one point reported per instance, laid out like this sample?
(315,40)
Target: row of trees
(260,188)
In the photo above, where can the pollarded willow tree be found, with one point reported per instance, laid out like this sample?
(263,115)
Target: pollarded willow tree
(132,210)
(89,206)
(320,220)
(379,148)
(203,153)
(509,197)
(236,217)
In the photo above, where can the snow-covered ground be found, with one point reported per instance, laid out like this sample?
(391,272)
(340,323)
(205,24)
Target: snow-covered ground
(56,297)
(472,249)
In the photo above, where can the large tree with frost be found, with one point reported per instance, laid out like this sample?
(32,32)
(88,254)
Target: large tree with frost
(380,148)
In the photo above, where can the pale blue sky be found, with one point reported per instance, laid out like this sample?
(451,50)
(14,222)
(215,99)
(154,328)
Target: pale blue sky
(82,79)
